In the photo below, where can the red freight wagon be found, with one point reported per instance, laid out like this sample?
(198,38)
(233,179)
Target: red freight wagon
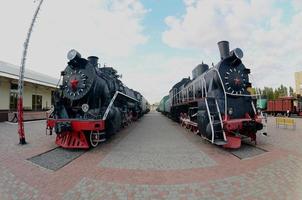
(288,104)
(270,106)
(279,105)
(284,104)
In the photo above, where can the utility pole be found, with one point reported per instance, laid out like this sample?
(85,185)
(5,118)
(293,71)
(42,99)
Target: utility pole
(21,77)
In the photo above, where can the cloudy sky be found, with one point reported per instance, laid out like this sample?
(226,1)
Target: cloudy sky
(154,43)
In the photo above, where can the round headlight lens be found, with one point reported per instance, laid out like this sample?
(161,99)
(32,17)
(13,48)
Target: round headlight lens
(85,107)
(230,111)
(72,54)
(238,53)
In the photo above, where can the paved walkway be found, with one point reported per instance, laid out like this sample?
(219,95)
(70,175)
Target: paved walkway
(156,144)
(153,159)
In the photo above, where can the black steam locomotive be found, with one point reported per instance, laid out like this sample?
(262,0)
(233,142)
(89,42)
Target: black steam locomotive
(91,104)
(217,103)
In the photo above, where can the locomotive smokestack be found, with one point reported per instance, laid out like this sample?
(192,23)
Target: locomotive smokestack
(93,60)
(224,49)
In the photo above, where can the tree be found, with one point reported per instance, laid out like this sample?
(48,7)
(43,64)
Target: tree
(282,91)
(268,93)
(291,92)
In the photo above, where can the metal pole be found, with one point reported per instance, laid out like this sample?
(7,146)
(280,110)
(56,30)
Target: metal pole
(21,78)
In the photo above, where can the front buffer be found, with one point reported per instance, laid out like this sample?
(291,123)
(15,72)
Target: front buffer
(236,129)
(227,132)
(77,134)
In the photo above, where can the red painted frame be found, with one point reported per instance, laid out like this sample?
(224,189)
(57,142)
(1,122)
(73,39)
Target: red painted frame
(229,126)
(75,138)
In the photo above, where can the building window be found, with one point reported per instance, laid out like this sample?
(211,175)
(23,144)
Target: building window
(36,102)
(13,99)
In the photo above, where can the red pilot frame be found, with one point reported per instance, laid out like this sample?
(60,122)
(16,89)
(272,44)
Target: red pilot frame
(80,134)
(234,127)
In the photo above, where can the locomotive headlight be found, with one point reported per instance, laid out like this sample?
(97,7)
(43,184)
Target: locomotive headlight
(230,111)
(72,54)
(238,53)
(85,108)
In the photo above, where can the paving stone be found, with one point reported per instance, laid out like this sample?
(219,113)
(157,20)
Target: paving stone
(158,144)
(13,188)
(247,151)
(172,170)
(271,179)
(56,158)
(289,139)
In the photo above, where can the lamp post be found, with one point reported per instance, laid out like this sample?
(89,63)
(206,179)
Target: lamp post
(21,78)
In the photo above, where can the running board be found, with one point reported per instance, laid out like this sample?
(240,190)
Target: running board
(217,141)
(112,101)
(220,142)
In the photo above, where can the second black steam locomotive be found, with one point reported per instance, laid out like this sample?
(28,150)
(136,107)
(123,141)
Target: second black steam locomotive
(91,103)
(217,102)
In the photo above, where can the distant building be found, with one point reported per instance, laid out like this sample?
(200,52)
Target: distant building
(154,106)
(298,79)
(38,89)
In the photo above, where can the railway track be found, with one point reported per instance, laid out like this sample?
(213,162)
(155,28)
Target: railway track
(56,158)
(247,151)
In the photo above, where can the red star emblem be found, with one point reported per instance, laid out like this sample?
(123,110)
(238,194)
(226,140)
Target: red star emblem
(74,84)
(237,81)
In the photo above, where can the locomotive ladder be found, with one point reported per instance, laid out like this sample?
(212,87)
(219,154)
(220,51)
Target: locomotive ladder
(215,120)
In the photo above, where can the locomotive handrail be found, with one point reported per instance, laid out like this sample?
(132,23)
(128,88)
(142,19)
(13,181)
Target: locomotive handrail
(112,101)
(225,94)
(254,109)
(201,78)
(180,98)
(109,106)
(244,95)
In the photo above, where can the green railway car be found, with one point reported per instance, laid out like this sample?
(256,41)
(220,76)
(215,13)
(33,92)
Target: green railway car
(262,104)
(162,104)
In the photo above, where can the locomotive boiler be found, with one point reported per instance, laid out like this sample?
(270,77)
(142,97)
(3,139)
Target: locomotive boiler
(216,102)
(91,104)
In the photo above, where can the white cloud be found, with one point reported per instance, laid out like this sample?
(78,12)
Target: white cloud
(106,28)
(190,2)
(272,47)
(113,29)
